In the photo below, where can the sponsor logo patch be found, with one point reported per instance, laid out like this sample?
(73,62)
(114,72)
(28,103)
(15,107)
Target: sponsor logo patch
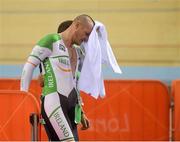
(61,47)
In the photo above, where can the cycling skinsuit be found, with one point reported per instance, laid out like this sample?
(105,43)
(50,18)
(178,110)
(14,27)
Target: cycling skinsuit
(59,83)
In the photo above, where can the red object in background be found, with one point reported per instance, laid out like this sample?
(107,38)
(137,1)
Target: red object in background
(131,110)
(16,108)
(176,113)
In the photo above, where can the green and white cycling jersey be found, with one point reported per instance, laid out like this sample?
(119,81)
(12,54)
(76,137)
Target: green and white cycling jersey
(53,55)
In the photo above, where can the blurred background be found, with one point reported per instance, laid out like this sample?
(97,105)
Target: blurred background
(144,34)
(143,103)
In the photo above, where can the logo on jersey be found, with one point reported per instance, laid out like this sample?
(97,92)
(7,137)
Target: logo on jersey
(61,123)
(61,47)
(64,61)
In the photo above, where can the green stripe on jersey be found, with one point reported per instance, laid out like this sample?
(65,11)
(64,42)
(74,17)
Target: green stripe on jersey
(60,56)
(48,40)
(36,57)
(54,111)
(69,139)
(49,78)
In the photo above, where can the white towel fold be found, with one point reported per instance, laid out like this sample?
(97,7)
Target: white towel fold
(98,52)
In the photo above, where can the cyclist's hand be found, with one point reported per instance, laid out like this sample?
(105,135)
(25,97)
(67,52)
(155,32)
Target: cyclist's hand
(41,80)
(84,122)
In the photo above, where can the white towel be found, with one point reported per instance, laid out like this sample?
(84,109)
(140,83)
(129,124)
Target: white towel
(98,51)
